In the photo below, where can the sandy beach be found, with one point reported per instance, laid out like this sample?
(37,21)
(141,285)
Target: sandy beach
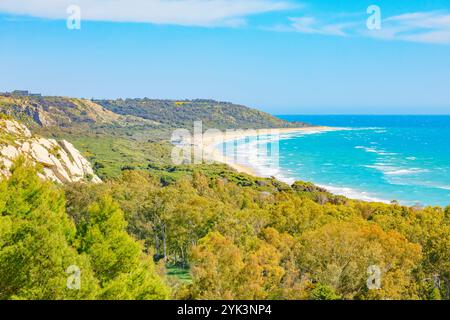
(211,139)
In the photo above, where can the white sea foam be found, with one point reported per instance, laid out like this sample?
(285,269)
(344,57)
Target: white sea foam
(395,171)
(353,193)
(376,151)
(248,154)
(437,186)
(367,128)
(367,149)
(427,184)
(261,166)
(401,172)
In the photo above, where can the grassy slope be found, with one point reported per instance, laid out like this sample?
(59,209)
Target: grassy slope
(181,274)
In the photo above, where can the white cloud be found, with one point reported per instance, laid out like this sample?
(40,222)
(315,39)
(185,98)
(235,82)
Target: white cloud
(426,27)
(312,26)
(179,12)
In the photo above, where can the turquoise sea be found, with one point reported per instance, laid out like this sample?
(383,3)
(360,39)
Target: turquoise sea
(378,158)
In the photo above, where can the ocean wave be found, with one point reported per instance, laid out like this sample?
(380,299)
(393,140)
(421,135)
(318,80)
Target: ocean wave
(367,149)
(395,171)
(252,152)
(344,191)
(263,166)
(367,128)
(395,168)
(376,151)
(265,170)
(419,183)
(352,193)
(433,185)
(401,172)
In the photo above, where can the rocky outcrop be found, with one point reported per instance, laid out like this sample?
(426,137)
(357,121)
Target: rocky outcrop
(60,160)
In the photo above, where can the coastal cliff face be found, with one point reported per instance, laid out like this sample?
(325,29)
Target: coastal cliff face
(60,160)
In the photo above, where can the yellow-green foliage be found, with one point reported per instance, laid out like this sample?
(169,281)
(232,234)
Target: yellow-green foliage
(4,116)
(258,240)
(244,242)
(5,137)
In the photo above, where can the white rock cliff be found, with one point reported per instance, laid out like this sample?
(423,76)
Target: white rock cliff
(60,160)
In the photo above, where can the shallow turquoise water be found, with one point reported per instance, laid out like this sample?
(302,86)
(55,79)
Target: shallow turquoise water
(380,158)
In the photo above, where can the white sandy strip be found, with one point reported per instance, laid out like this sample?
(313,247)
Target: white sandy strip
(212,138)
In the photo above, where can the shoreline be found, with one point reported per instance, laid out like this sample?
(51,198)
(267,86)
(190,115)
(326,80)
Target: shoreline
(212,139)
(212,153)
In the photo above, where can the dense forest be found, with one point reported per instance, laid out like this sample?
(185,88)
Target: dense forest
(131,115)
(153,230)
(213,234)
(213,114)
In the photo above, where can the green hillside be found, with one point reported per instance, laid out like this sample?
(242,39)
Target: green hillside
(139,114)
(213,114)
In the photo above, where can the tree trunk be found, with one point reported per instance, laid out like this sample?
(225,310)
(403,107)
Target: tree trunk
(157,243)
(164,244)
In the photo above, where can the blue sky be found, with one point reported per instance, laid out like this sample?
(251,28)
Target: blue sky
(281,56)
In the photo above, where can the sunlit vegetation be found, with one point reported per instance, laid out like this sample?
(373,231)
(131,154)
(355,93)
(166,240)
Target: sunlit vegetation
(262,240)
(213,114)
(153,230)
(39,242)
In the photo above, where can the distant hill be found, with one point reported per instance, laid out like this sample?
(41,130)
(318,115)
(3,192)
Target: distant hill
(63,112)
(213,114)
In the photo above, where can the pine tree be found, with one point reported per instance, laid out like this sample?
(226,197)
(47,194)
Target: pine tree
(125,272)
(35,241)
